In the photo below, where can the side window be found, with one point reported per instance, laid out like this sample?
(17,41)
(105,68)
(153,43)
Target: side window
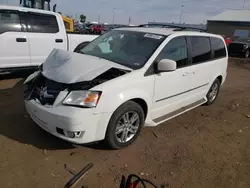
(218,47)
(9,21)
(176,49)
(42,23)
(201,50)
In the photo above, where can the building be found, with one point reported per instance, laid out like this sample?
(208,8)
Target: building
(231,23)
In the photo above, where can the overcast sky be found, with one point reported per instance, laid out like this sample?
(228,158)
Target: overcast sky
(142,11)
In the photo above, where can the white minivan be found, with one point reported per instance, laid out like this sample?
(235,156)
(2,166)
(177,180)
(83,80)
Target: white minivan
(123,80)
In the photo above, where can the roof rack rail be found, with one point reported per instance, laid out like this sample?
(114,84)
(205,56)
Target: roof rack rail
(178,28)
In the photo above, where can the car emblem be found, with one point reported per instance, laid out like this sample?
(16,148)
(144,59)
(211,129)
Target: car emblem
(43,90)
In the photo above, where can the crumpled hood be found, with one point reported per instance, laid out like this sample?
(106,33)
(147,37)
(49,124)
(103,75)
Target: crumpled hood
(69,67)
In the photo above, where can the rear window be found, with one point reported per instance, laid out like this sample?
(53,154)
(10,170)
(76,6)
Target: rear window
(201,50)
(9,21)
(42,23)
(218,47)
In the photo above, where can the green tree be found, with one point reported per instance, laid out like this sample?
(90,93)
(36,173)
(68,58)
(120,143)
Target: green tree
(82,18)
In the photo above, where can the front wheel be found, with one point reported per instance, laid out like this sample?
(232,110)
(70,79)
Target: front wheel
(125,125)
(213,92)
(247,53)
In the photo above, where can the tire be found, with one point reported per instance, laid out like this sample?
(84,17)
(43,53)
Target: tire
(119,138)
(81,46)
(247,53)
(213,92)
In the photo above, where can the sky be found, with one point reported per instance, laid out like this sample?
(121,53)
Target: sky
(144,11)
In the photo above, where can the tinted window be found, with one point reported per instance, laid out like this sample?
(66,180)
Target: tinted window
(176,50)
(9,21)
(41,23)
(201,50)
(218,48)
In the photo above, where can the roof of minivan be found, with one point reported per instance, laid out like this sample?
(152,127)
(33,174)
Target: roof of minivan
(164,31)
(19,8)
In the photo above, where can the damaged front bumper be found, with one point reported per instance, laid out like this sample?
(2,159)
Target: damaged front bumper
(43,101)
(75,125)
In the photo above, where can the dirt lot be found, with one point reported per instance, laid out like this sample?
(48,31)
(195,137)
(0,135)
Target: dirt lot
(208,147)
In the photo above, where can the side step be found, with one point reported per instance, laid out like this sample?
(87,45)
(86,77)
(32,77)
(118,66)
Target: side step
(179,111)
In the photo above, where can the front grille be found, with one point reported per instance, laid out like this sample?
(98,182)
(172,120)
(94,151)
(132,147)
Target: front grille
(45,90)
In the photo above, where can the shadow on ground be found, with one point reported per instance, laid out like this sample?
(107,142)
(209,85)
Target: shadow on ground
(241,62)
(16,124)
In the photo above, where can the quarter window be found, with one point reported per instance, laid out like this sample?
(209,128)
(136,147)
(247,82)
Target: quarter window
(175,49)
(218,47)
(41,23)
(9,22)
(201,50)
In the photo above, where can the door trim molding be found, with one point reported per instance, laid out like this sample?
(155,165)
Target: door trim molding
(175,95)
(179,111)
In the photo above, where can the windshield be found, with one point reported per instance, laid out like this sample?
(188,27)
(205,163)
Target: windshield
(128,48)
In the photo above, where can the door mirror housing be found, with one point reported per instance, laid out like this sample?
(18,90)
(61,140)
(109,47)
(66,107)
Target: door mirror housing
(166,65)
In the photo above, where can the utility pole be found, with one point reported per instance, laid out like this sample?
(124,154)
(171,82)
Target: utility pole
(129,20)
(98,18)
(113,16)
(243,6)
(182,6)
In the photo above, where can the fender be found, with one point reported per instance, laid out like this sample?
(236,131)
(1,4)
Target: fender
(123,97)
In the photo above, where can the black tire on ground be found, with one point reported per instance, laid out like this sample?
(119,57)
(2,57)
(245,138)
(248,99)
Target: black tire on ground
(247,53)
(81,46)
(129,107)
(213,92)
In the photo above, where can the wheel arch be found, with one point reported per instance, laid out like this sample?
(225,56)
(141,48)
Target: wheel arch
(81,45)
(143,105)
(220,78)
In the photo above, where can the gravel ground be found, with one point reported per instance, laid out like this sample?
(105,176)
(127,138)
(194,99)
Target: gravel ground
(206,147)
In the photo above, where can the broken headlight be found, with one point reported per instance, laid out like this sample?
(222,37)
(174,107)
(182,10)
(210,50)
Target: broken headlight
(79,98)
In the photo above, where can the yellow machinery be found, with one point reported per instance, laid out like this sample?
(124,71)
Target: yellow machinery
(45,5)
(69,23)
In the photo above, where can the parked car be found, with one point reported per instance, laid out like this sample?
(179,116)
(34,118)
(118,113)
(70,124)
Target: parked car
(240,46)
(97,28)
(82,29)
(228,40)
(124,80)
(27,36)
(107,28)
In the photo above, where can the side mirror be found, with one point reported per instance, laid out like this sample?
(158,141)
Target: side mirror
(166,65)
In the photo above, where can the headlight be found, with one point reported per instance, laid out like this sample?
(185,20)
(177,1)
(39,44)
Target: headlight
(87,99)
(245,46)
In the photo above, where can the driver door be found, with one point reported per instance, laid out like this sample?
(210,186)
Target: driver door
(171,88)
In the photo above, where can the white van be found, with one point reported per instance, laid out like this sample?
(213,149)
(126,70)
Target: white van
(123,80)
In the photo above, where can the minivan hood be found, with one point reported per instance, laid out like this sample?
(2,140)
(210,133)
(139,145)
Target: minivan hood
(69,67)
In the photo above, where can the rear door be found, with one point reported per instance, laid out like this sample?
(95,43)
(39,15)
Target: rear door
(44,35)
(202,66)
(14,42)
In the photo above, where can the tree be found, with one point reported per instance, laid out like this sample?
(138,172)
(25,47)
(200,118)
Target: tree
(82,18)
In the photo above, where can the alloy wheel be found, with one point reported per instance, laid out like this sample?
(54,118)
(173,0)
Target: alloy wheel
(127,127)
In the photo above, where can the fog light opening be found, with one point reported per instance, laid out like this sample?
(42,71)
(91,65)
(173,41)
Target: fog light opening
(70,134)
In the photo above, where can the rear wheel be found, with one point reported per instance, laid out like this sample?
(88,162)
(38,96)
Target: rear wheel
(247,53)
(213,92)
(125,125)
